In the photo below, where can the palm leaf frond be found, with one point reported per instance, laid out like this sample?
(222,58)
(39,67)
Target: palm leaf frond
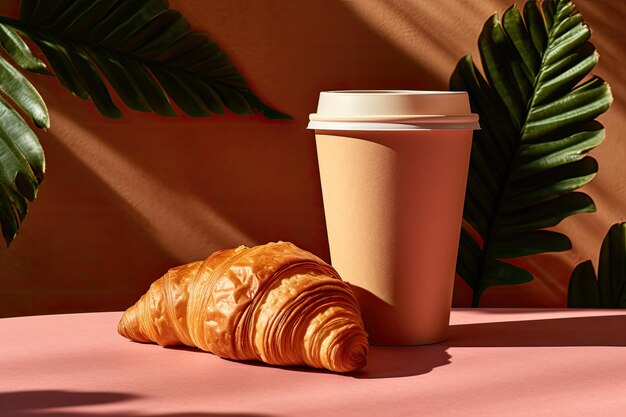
(537,107)
(17,49)
(608,290)
(22,163)
(146,51)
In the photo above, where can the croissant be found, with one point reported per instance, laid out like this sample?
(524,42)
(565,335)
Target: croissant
(274,303)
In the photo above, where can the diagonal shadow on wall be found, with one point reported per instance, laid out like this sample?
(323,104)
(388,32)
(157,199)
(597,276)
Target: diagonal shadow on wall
(259,176)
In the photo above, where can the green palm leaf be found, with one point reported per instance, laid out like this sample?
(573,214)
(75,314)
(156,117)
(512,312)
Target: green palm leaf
(22,162)
(537,111)
(609,289)
(146,51)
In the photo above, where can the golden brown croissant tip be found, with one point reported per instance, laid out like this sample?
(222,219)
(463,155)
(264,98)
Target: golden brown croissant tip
(129,326)
(352,354)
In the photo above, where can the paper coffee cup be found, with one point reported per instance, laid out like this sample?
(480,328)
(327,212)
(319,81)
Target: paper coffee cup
(393,168)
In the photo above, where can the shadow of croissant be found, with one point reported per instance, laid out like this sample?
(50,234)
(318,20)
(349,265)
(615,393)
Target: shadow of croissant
(40,403)
(403,361)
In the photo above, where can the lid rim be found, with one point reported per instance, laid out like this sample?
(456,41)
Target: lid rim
(389,118)
(392,92)
(390,127)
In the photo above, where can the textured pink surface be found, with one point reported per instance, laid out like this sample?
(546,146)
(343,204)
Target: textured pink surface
(497,362)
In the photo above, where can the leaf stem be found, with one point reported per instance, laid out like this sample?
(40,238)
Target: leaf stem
(476,298)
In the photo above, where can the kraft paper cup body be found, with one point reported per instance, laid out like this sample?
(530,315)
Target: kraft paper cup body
(393,200)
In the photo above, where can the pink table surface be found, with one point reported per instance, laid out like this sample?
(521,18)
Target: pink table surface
(496,363)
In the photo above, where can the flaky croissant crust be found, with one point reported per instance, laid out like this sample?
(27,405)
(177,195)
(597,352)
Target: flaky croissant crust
(274,303)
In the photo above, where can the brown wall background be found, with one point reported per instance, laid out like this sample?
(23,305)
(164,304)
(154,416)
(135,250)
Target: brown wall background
(125,200)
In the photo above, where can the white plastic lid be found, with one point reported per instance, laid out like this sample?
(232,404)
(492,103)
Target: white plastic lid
(393,110)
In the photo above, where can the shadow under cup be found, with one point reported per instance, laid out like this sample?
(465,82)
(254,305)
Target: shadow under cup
(393,187)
